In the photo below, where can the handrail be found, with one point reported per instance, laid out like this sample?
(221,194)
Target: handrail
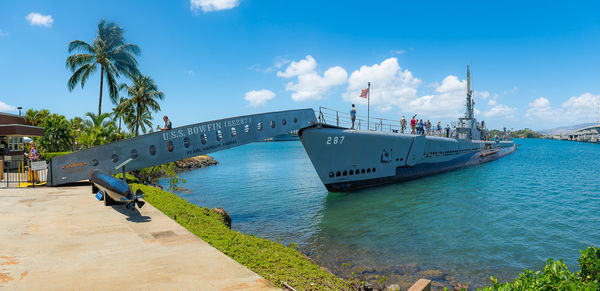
(341,119)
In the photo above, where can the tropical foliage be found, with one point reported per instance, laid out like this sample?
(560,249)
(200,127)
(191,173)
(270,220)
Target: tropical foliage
(97,129)
(62,135)
(36,117)
(57,134)
(556,276)
(110,52)
(144,96)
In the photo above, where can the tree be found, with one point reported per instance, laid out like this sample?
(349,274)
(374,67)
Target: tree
(143,95)
(57,134)
(122,113)
(99,129)
(108,50)
(36,117)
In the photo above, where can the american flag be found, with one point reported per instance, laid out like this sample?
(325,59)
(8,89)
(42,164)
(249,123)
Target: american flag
(364,93)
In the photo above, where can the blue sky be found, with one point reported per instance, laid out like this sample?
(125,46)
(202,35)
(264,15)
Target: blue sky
(534,64)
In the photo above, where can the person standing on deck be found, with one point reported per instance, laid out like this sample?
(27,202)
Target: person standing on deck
(421,128)
(403,124)
(413,124)
(439,129)
(428,126)
(447,130)
(352,115)
(168,124)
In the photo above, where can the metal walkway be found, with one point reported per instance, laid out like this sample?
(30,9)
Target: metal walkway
(176,144)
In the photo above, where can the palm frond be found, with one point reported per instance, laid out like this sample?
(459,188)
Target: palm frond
(80,45)
(74,61)
(113,89)
(77,76)
(91,69)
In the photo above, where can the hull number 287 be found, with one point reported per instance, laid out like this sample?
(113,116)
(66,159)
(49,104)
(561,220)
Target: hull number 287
(335,140)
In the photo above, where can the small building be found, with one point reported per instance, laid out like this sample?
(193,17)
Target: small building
(586,134)
(13,130)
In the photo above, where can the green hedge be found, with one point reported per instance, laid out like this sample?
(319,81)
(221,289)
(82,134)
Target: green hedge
(130,178)
(556,276)
(49,156)
(271,260)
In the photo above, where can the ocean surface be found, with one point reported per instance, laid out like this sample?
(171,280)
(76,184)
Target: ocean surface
(543,201)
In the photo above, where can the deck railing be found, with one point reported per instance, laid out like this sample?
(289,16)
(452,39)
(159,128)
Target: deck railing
(342,119)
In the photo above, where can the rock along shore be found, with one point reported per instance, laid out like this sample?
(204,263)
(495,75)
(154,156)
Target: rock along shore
(197,162)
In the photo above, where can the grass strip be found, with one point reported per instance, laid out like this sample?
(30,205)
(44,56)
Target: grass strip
(271,260)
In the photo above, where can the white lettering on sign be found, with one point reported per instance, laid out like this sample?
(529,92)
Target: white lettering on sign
(203,128)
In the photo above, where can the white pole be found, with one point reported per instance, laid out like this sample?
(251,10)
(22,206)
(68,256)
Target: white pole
(368,105)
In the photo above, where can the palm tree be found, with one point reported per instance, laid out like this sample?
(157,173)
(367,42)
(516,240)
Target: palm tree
(143,95)
(110,51)
(97,120)
(36,117)
(98,129)
(122,112)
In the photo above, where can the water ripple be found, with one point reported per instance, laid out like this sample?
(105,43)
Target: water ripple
(498,218)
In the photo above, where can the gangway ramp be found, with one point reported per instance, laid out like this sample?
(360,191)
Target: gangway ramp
(176,144)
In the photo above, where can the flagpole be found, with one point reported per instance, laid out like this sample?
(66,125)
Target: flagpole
(368,104)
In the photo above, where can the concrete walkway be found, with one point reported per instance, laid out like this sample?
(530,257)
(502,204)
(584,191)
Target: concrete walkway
(65,239)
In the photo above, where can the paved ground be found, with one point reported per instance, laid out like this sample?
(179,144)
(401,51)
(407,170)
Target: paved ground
(63,238)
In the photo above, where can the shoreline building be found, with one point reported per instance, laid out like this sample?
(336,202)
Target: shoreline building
(586,134)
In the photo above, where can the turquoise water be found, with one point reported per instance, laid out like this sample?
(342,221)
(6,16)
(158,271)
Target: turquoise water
(494,219)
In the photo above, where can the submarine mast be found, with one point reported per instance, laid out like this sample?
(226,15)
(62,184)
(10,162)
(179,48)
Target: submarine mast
(469,112)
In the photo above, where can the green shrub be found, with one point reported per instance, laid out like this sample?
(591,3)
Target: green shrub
(130,178)
(556,276)
(589,261)
(49,156)
(271,260)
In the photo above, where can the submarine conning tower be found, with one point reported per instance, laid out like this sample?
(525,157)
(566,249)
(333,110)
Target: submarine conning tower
(468,127)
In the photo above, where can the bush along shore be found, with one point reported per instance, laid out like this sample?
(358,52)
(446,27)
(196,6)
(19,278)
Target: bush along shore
(151,175)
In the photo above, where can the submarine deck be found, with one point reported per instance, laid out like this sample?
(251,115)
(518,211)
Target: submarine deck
(63,238)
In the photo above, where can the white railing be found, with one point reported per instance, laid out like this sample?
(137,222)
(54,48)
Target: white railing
(342,119)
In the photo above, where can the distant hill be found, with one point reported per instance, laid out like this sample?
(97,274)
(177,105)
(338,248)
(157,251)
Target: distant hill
(565,129)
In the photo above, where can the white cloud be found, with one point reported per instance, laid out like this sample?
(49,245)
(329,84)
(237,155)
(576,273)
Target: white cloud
(501,111)
(449,102)
(6,108)
(278,64)
(213,5)
(390,86)
(540,109)
(308,65)
(399,52)
(481,94)
(583,108)
(311,86)
(38,19)
(493,102)
(259,98)
(190,72)
(450,84)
